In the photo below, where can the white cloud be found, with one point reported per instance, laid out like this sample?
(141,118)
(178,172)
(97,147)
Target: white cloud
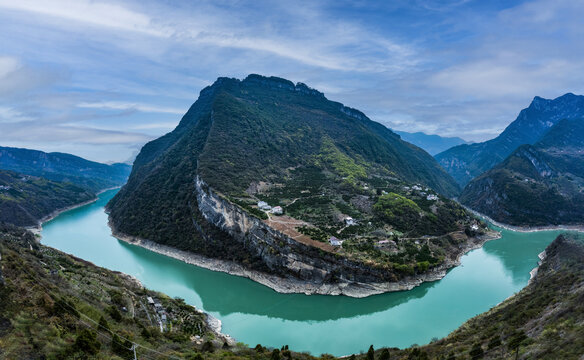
(90,12)
(119,105)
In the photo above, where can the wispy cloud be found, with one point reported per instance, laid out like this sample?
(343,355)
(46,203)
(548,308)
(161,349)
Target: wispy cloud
(127,70)
(119,105)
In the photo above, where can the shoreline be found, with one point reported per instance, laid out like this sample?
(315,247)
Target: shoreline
(39,227)
(294,286)
(526,229)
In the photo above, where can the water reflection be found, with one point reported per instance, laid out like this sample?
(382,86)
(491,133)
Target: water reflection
(254,313)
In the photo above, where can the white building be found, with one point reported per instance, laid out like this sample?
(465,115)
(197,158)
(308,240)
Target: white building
(264,206)
(335,242)
(277,210)
(432,197)
(350,221)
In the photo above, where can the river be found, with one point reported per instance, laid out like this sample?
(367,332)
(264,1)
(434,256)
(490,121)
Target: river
(338,325)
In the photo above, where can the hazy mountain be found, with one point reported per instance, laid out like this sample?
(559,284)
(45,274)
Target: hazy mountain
(467,161)
(540,184)
(64,167)
(433,144)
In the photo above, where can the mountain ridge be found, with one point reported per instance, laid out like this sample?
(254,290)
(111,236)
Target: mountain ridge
(64,167)
(467,161)
(537,185)
(266,140)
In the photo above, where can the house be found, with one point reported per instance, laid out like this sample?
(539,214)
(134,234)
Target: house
(474,227)
(350,221)
(334,241)
(150,300)
(264,206)
(432,197)
(277,210)
(416,187)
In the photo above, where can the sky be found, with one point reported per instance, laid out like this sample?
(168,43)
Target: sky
(100,78)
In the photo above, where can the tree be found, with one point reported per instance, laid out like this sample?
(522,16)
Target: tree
(371,353)
(275,354)
(477,351)
(515,342)
(103,324)
(122,347)
(87,343)
(384,355)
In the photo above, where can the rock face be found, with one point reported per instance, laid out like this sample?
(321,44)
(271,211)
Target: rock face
(464,162)
(195,188)
(277,250)
(537,185)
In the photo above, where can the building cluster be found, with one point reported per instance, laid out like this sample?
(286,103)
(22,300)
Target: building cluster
(5,187)
(159,311)
(276,210)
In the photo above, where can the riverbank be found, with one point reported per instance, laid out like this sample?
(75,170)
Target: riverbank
(290,286)
(39,227)
(526,229)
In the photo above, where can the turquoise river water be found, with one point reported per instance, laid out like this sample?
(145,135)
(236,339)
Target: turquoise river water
(338,325)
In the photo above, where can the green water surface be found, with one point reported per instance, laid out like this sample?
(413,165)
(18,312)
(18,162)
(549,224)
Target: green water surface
(339,325)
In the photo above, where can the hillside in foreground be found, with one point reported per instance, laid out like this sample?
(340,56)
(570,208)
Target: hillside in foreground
(537,185)
(56,306)
(291,175)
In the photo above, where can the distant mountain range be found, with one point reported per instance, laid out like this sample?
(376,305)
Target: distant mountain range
(64,168)
(539,184)
(433,144)
(464,162)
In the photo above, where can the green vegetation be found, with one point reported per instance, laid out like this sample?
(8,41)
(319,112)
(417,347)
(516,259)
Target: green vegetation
(340,163)
(268,139)
(64,168)
(537,185)
(468,161)
(398,210)
(25,199)
(55,306)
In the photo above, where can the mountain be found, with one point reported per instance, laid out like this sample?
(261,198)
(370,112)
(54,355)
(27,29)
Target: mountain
(540,184)
(467,161)
(64,167)
(333,171)
(433,144)
(26,199)
(72,309)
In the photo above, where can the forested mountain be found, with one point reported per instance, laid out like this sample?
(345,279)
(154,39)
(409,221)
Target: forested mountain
(64,167)
(433,144)
(540,184)
(464,162)
(26,199)
(267,139)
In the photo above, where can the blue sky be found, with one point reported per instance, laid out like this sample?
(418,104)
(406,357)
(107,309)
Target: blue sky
(100,78)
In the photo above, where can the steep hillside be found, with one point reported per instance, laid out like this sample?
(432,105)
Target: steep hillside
(198,188)
(545,320)
(25,199)
(55,306)
(540,184)
(64,167)
(464,162)
(433,144)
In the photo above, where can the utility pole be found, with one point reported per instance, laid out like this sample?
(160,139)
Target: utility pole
(134,346)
